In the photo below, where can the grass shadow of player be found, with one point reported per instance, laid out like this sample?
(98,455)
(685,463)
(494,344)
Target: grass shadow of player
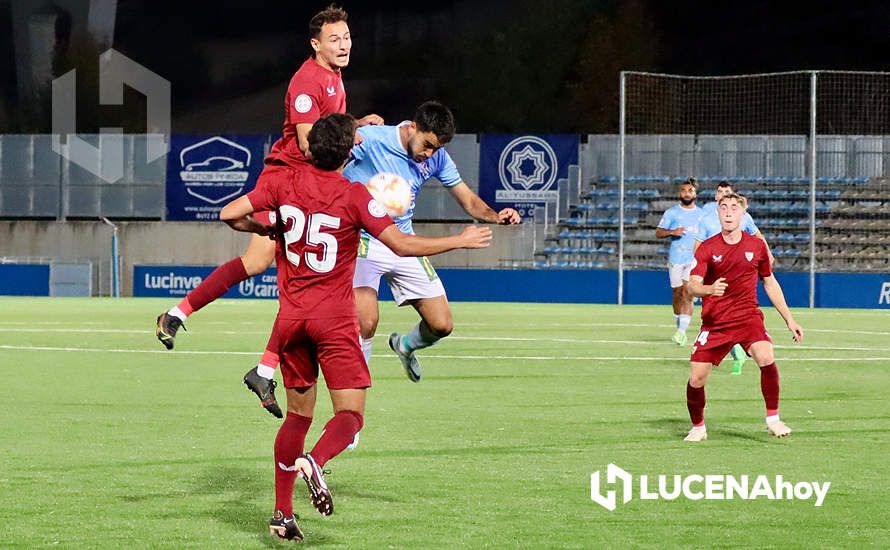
(237,489)
(672,426)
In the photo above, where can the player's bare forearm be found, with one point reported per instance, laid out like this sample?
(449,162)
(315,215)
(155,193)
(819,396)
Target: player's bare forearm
(478,210)
(404,244)
(249,225)
(777,297)
(699,290)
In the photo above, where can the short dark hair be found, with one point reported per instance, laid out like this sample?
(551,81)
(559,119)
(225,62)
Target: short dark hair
(331,14)
(331,139)
(434,117)
(725,183)
(690,181)
(741,200)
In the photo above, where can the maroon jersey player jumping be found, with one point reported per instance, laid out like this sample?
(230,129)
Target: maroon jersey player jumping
(320,215)
(315,90)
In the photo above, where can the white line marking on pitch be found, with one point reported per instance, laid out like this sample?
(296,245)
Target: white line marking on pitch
(449,357)
(472,338)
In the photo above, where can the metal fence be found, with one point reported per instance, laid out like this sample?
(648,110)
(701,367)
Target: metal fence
(36,182)
(811,150)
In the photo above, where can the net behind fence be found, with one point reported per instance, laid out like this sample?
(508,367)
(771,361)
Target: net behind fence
(754,132)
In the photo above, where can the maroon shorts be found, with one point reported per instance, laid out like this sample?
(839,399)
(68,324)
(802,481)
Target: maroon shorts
(712,345)
(333,344)
(272,174)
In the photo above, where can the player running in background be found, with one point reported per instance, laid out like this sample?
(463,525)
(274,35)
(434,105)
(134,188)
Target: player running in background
(315,90)
(710,226)
(320,216)
(413,150)
(725,276)
(680,224)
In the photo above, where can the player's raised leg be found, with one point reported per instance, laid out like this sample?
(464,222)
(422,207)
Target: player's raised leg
(259,379)
(695,400)
(338,434)
(288,448)
(257,258)
(762,353)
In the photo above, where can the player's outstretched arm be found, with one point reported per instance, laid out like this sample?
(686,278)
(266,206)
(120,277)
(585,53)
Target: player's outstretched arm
(404,244)
(237,215)
(699,289)
(777,297)
(476,207)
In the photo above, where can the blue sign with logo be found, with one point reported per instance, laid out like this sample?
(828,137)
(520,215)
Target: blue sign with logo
(523,171)
(175,281)
(206,172)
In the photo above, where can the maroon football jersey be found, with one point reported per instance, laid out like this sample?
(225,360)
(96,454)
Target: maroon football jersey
(740,264)
(313,92)
(320,214)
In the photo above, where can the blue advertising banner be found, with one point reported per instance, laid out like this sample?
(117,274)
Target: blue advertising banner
(175,281)
(523,171)
(206,172)
(24,280)
(865,290)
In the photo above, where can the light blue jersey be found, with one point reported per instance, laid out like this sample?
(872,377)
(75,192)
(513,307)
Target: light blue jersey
(710,223)
(681,251)
(381,150)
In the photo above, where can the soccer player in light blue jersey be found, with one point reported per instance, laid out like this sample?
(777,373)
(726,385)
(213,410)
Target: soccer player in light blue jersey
(680,224)
(414,151)
(710,226)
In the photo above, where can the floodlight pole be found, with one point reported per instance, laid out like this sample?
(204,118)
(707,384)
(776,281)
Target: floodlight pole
(812,152)
(621,129)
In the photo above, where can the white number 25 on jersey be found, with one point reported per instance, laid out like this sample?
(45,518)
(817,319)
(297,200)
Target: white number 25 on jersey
(295,217)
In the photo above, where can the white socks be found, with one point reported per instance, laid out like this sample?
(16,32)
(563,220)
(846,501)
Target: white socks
(771,419)
(266,372)
(366,348)
(176,312)
(683,321)
(417,339)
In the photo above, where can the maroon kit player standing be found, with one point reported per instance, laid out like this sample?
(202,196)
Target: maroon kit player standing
(320,215)
(315,90)
(725,276)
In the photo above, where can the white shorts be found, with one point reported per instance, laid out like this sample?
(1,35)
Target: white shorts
(409,277)
(679,273)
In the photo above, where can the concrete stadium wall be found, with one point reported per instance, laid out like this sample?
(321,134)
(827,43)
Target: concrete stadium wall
(201,243)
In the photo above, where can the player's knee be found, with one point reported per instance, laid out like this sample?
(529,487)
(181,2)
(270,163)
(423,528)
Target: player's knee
(256,262)
(442,327)
(368,327)
(765,359)
(697,380)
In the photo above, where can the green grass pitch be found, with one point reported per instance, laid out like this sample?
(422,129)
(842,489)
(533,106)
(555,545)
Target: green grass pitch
(108,441)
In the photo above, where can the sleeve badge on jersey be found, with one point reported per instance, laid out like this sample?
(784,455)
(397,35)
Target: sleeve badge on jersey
(303,103)
(376,209)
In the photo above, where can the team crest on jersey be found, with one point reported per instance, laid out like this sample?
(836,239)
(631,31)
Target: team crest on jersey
(376,209)
(749,256)
(303,103)
(717,258)
(331,91)
(424,170)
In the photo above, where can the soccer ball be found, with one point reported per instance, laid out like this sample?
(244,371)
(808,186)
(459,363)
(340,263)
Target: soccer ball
(392,192)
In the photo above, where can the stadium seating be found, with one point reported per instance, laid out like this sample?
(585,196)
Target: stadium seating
(852,220)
